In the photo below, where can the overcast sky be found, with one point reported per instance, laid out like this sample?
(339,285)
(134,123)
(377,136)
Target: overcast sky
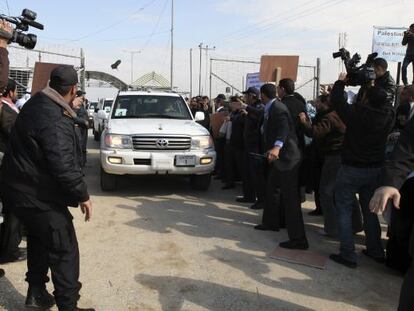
(239,29)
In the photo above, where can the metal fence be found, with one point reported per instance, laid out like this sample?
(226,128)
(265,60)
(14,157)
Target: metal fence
(230,75)
(22,63)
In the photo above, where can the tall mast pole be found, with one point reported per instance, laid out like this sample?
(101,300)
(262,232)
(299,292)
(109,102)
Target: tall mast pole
(172,45)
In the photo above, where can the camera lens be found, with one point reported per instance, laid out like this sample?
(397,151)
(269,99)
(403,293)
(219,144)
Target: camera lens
(28,41)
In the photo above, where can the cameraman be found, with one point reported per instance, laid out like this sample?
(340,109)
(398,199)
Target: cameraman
(4,59)
(408,40)
(369,122)
(383,79)
(4,68)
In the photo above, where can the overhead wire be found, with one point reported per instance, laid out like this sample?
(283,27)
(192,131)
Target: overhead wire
(114,24)
(155,26)
(310,11)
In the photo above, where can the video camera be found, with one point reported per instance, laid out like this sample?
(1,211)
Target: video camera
(357,75)
(28,18)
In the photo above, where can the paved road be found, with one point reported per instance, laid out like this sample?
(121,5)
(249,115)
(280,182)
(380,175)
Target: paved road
(156,245)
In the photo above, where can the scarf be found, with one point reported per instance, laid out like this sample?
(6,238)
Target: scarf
(58,99)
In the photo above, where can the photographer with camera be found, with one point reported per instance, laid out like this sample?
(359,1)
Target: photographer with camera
(5,28)
(408,40)
(369,122)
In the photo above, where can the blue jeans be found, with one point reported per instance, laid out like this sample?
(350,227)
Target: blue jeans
(362,181)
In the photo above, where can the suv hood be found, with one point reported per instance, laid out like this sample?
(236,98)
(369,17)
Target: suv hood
(156,127)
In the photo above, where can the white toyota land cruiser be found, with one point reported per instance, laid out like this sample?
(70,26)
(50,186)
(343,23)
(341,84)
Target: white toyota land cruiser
(151,133)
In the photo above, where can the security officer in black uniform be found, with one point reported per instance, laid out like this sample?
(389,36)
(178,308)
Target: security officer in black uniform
(41,177)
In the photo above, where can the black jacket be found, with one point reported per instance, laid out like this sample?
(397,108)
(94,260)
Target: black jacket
(409,42)
(296,107)
(237,129)
(7,119)
(252,127)
(328,132)
(401,163)
(367,129)
(278,126)
(42,159)
(387,83)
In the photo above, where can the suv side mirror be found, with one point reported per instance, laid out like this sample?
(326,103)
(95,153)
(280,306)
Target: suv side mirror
(199,116)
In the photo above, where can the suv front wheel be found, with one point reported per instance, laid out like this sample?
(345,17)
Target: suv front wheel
(109,182)
(201,182)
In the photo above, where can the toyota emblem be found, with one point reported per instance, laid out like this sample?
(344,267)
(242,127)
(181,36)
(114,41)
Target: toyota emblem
(162,143)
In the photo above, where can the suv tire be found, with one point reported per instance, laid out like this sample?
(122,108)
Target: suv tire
(201,182)
(109,182)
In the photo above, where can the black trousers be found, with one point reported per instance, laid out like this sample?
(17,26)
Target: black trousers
(407,61)
(257,175)
(406,296)
(10,237)
(52,243)
(283,202)
(233,160)
(219,144)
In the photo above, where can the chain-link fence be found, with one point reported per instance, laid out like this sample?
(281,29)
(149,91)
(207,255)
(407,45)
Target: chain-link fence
(229,76)
(22,63)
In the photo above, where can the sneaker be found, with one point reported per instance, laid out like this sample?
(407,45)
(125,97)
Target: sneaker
(380,260)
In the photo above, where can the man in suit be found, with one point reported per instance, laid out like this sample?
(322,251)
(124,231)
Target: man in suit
(394,175)
(284,159)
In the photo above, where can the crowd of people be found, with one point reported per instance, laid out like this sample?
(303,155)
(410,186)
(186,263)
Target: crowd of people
(355,157)
(267,140)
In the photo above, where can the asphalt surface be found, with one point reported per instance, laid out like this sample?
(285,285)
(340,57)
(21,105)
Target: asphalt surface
(157,245)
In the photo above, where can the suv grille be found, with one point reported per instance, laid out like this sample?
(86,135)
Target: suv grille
(158,143)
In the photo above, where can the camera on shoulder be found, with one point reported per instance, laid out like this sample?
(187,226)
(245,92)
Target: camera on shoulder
(23,22)
(357,75)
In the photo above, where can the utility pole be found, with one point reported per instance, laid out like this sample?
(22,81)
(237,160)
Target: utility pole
(132,62)
(191,73)
(206,48)
(199,73)
(172,46)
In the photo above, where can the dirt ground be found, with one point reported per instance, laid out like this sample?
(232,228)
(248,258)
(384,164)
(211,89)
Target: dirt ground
(157,245)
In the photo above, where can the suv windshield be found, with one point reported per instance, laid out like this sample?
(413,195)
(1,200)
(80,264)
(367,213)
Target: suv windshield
(92,105)
(150,106)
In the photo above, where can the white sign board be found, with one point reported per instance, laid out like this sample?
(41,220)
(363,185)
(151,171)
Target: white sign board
(387,42)
(253,80)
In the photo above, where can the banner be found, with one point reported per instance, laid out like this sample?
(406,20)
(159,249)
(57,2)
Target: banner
(253,80)
(387,42)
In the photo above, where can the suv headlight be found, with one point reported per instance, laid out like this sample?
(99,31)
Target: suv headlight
(202,142)
(118,141)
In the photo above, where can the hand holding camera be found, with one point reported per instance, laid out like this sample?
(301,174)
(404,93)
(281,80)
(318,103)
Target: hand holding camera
(5,33)
(28,18)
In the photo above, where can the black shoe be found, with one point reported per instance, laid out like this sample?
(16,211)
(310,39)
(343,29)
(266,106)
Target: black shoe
(266,228)
(245,200)
(257,206)
(342,261)
(39,298)
(21,256)
(82,309)
(228,187)
(303,245)
(315,213)
(380,260)
(2,273)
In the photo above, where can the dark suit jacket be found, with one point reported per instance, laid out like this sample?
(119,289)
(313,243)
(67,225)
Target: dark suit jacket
(278,126)
(296,107)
